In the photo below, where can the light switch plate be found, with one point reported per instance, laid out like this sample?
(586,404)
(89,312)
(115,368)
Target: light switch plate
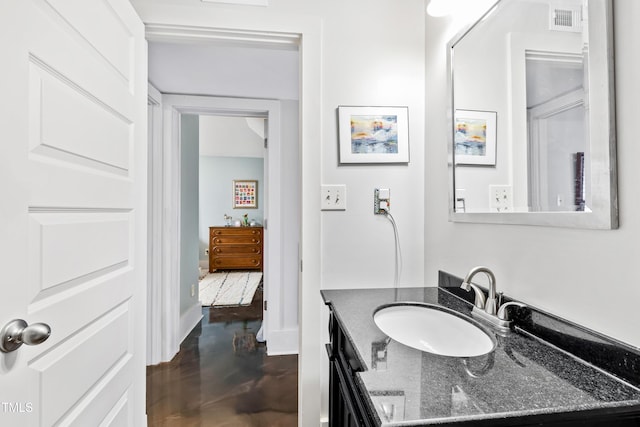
(333,198)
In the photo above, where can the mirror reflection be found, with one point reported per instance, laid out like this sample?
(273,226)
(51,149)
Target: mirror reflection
(530,122)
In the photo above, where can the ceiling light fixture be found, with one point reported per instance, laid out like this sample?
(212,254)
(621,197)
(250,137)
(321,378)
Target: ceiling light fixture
(440,8)
(463,11)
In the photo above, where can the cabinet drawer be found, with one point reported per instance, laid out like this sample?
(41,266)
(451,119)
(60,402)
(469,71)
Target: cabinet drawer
(236,240)
(237,262)
(236,231)
(236,250)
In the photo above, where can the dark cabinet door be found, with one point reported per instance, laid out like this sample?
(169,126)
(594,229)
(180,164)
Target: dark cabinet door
(342,411)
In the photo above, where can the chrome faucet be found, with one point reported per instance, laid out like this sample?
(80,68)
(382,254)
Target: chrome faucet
(489,308)
(490,304)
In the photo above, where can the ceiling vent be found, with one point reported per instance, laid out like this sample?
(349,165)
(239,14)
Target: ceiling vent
(565,18)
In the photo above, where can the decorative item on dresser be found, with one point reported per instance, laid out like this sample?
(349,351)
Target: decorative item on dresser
(235,248)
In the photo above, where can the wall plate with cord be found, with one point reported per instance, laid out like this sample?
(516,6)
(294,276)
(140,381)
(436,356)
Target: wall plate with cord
(381,201)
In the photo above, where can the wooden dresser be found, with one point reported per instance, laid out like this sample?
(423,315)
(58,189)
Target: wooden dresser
(235,248)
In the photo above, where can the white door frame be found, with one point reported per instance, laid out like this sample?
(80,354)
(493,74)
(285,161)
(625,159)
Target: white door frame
(156,305)
(308,32)
(177,327)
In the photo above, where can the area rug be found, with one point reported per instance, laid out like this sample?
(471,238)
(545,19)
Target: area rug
(227,288)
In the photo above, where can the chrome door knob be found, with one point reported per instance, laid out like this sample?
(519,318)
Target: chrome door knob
(18,332)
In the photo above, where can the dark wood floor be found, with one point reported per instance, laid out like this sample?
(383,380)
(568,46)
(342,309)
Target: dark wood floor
(223,377)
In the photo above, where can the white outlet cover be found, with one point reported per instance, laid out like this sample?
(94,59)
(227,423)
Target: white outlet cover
(333,198)
(501,198)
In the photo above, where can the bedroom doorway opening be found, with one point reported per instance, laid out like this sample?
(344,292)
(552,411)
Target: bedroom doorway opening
(224,341)
(231,212)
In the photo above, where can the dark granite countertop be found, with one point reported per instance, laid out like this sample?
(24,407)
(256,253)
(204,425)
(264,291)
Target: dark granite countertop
(523,376)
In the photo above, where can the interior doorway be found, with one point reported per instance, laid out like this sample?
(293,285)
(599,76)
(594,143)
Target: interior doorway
(231,200)
(282,171)
(306,32)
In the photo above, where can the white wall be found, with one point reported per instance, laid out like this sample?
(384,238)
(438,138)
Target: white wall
(583,275)
(379,63)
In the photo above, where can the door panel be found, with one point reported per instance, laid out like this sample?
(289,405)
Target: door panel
(53,101)
(73,225)
(99,350)
(106,234)
(99,23)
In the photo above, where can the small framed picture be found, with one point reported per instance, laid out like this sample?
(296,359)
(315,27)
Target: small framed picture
(245,194)
(373,135)
(475,137)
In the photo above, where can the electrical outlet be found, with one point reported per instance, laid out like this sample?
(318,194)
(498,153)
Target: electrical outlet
(381,201)
(333,198)
(501,198)
(193,290)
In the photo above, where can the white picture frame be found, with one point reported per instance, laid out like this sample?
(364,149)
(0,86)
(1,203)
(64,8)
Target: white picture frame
(373,135)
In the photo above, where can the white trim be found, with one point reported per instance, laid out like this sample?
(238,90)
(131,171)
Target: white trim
(181,33)
(176,105)
(190,320)
(284,341)
(312,353)
(155,307)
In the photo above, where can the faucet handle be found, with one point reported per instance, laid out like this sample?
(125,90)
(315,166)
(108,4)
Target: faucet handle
(503,313)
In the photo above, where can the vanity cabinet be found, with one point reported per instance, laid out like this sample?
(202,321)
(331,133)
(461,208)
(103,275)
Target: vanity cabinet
(346,405)
(529,378)
(235,248)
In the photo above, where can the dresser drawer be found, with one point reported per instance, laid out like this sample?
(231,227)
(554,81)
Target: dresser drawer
(236,240)
(236,231)
(231,250)
(237,262)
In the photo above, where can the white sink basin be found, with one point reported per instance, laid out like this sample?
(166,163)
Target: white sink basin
(433,329)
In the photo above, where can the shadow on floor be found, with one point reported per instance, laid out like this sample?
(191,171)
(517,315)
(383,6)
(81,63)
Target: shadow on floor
(223,377)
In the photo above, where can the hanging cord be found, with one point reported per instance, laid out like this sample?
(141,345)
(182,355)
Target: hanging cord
(398,251)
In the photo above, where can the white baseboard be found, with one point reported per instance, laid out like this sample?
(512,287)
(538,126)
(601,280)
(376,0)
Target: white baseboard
(284,341)
(190,319)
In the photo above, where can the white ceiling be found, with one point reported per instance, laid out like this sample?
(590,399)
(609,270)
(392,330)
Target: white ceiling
(230,136)
(223,70)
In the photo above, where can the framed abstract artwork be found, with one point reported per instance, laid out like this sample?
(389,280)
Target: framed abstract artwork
(475,137)
(370,135)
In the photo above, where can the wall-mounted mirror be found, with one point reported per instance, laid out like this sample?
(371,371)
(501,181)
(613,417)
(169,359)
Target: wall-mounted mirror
(532,136)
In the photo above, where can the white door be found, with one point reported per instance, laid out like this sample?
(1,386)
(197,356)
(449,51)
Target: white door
(73,211)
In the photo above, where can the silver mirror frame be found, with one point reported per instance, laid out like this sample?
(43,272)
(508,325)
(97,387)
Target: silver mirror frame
(602,135)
